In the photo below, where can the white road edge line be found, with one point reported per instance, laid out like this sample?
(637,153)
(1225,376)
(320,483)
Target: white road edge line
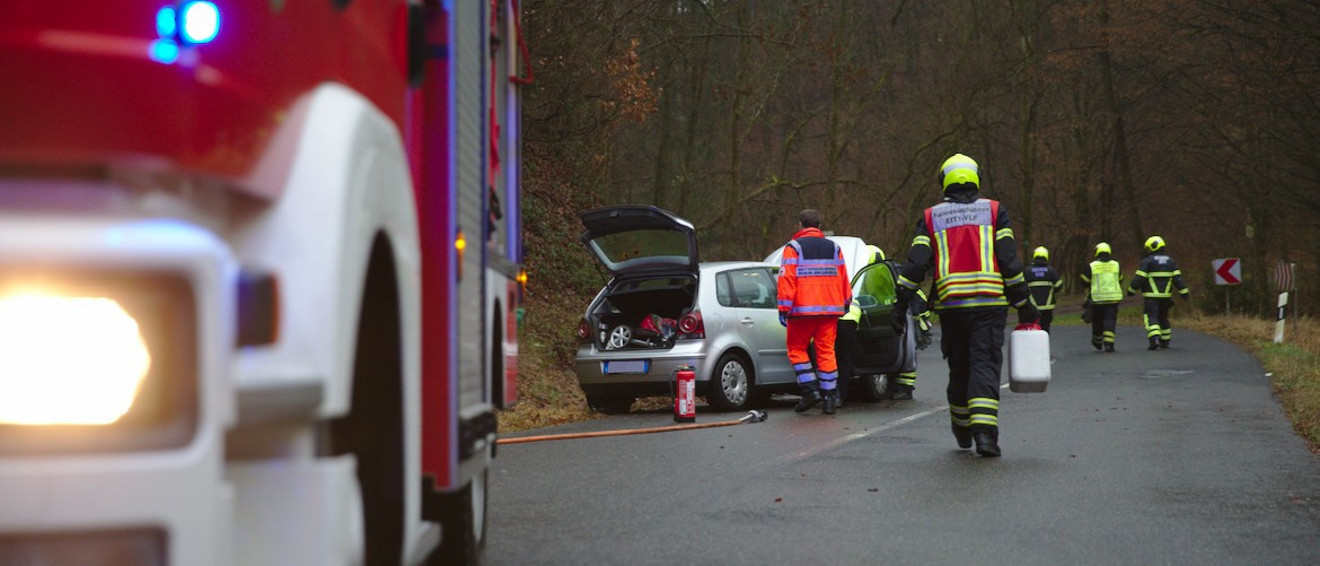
(863,434)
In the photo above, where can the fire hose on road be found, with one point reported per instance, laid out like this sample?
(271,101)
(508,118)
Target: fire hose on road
(751,416)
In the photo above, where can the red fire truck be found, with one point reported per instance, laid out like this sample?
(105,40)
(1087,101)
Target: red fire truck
(259,270)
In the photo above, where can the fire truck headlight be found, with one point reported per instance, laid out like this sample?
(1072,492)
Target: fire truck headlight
(68,360)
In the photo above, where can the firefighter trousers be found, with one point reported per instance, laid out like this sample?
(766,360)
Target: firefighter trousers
(1046,317)
(1157,318)
(845,351)
(817,332)
(1104,319)
(972,340)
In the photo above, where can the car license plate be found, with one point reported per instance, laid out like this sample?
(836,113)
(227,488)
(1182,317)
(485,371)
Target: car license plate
(627,366)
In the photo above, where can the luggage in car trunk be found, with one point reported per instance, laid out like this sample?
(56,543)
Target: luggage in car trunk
(642,313)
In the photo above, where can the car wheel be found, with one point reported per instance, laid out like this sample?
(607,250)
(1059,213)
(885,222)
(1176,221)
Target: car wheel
(730,383)
(872,388)
(619,337)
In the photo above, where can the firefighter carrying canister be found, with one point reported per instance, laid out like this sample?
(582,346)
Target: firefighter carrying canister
(968,241)
(1104,290)
(1043,282)
(1156,279)
(813,293)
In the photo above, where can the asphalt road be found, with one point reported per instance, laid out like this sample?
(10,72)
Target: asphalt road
(1178,456)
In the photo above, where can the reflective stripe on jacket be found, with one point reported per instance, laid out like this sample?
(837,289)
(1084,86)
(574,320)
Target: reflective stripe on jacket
(963,239)
(1156,278)
(1105,282)
(813,279)
(1042,282)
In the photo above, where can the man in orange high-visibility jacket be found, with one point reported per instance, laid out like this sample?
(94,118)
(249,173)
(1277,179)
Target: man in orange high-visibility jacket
(813,294)
(968,241)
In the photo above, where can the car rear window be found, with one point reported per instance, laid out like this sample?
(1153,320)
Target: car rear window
(623,247)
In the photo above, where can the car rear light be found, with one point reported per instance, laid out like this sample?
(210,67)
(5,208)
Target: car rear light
(584,329)
(690,326)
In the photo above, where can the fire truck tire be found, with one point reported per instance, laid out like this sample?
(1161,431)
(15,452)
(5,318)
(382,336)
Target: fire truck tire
(871,388)
(373,431)
(730,383)
(463,525)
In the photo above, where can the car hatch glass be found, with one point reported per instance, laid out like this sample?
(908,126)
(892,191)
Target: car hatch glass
(650,247)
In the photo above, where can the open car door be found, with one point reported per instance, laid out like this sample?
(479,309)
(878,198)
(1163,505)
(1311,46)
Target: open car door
(881,351)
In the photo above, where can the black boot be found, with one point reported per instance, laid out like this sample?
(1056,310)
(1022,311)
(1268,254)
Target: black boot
(1164,343)
(1109,347)
(1097,345)
(901,392)
(808,400)
(963,435)
(986,445)
(831,399)
(1154,343)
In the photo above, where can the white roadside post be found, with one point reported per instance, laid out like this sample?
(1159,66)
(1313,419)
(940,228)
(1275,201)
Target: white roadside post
(1278,323)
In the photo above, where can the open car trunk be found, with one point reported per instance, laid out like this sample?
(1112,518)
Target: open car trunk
(641,313)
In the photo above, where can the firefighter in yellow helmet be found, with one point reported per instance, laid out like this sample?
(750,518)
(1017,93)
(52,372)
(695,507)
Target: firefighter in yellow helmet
(1104,290)
(968,242)
(1043,282)
(1157,278)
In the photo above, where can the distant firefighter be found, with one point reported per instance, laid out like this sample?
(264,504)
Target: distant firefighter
(1104,290)
(1042,281)
(1156,279)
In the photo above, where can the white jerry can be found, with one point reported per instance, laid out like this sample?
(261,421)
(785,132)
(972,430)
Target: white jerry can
(1028,359)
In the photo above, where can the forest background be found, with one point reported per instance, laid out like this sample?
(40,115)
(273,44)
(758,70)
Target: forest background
(1092,120)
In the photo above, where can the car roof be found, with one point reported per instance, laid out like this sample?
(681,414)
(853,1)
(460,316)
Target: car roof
(722,265)
(855,254)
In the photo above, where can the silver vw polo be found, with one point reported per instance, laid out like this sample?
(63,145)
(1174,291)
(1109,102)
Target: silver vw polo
(662,309)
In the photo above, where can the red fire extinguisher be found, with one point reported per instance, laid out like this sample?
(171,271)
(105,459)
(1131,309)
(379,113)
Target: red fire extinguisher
(685,394)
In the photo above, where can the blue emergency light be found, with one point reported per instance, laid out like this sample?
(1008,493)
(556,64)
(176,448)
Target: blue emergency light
(194,22)
(199,21)
(167,22)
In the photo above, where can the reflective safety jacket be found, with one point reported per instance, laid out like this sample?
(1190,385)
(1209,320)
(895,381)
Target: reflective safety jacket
(970,244)
(1104,282)
(1156,278)
(813,279)
(1042,282)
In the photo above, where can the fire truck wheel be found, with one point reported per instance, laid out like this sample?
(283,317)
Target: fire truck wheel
(871,388)
(730,383)
(463,525)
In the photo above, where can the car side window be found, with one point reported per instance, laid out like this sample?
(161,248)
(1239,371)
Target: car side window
(723,292)
(874,285)
(754,288)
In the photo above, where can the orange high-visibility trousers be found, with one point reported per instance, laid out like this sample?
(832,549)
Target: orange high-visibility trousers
(820,330)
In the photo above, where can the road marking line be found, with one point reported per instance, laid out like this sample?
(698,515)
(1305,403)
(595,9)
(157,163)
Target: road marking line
(863,434)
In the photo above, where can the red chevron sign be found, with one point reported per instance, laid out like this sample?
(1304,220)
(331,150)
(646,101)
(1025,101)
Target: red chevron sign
(1228,271)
